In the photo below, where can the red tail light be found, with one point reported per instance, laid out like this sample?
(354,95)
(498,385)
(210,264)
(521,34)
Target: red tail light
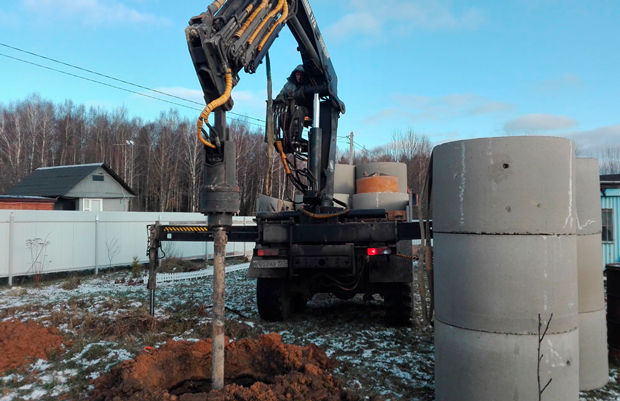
(378,251)
(267,252)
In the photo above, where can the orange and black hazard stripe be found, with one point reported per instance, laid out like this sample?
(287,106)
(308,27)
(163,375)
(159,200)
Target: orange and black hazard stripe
(185,229)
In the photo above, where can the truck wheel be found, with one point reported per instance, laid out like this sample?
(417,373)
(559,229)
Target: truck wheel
(274,303)
(398,304)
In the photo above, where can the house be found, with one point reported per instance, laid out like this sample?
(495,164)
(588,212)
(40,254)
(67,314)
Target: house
(15,202)
(610,209)
(86,187)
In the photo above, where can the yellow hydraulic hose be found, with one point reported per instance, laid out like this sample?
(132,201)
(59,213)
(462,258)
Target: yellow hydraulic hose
(212,106)
(217,4)
(283,156)
(247,22)
(282,18)
(273,12)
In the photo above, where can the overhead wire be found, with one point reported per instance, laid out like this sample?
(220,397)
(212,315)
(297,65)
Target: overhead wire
(112,78)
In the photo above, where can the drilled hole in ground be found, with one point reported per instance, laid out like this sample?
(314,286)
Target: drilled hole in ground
(191,386)
(195,385)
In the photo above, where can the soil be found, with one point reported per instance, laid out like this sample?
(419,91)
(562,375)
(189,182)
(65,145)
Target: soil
(22,343)
(256,370)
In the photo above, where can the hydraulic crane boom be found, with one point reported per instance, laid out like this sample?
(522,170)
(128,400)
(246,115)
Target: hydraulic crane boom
(236,34)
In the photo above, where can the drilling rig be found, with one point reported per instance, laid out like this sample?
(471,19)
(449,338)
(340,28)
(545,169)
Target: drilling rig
(323,246)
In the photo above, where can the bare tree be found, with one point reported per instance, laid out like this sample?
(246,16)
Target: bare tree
(609,160)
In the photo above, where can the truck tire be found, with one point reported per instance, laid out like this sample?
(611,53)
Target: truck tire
(274,303)
(398,304)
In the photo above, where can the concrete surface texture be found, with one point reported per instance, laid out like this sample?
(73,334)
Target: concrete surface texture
(588,196)
(594,365)
(504,221)
(384,200)
(507,185)
(590,273)
(386,168)
(593,362)
(500,283)
(344,179)
(478,366)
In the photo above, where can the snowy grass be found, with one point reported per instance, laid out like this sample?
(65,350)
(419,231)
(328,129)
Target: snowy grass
(108,323)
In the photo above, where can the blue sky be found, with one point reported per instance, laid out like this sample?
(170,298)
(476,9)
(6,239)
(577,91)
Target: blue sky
(448,69)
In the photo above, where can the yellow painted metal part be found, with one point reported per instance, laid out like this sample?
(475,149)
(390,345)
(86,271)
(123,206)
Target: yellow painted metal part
(247,22)
(282,18)
(273,12)
(178,229)
(283,156)
(212,106)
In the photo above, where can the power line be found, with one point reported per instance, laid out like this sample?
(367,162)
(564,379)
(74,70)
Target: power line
(359,146)
(112,86)
(112,78)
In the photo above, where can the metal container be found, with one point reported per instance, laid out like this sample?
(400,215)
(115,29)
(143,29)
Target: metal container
(612,270)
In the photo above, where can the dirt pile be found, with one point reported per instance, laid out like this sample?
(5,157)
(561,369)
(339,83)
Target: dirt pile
(256,370)
(23,343)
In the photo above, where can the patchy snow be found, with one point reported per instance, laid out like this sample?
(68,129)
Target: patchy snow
(395,363)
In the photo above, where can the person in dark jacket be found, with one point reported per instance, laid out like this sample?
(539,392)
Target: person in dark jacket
(293,105)
(295,87)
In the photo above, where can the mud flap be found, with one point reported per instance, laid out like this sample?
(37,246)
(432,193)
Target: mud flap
(392,268)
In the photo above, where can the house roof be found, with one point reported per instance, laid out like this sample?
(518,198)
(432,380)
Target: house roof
(27,199)
(609,181)
(610,178)
(59,180)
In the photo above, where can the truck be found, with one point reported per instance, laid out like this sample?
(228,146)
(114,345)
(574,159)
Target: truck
(323,246)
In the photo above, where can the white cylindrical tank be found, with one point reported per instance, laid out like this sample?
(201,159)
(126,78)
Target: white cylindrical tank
(504,228)
(385,168)
(390,201)
(593,362)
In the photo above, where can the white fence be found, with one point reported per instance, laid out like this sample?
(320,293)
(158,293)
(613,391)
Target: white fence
(172,277)
(60,241)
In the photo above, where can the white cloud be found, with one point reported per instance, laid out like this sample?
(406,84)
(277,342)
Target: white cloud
(490,106)
(450,106)
(93,12)
(531,123)
(559,84)
(371,18)
(598,138)
(389,114)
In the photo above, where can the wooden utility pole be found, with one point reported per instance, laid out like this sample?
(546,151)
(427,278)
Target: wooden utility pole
(351,148)
(269,128)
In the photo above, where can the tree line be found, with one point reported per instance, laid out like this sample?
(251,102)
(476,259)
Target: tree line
(161,160)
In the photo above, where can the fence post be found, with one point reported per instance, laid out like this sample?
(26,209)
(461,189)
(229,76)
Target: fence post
(96,244)
(11,247)
(244,243)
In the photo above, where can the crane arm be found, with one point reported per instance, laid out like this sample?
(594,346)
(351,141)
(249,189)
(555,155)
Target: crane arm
(236,34)
(232,35)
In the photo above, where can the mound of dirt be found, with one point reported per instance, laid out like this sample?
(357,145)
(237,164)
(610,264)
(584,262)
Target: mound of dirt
(255,370)
(23,343)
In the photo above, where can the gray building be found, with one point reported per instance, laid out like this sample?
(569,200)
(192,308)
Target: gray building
(86,187)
